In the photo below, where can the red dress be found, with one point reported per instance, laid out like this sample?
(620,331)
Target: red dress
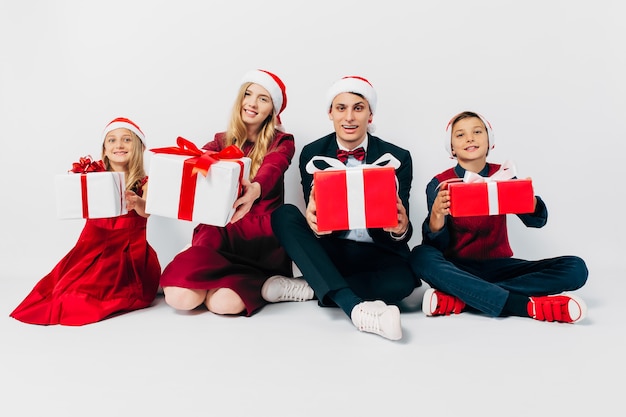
(112,269)
(241,255)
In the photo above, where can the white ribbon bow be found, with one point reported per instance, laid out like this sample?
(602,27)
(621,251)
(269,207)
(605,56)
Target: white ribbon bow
(506,172)
(335,164)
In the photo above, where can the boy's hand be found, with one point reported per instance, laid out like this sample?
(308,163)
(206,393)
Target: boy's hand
(440,209)
(403,220)
(311,214)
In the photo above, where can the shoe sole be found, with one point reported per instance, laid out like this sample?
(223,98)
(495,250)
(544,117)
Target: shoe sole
(582,307)
(266,284)
(395,312)
(399,335)
(427,302)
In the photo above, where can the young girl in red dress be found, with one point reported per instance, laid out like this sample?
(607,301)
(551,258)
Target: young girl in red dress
(225,267)
(112,269)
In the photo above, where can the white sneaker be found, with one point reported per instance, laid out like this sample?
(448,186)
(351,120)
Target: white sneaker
(279,288)
(377,317)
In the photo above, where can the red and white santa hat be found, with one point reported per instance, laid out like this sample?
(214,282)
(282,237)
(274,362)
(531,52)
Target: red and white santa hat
(353,84)
(122,122)
(448,141)
(273,85)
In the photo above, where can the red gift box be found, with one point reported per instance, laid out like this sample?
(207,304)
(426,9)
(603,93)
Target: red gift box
(360,197)
(513,196)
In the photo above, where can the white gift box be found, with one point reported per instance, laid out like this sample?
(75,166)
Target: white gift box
(175,192)
(92,195)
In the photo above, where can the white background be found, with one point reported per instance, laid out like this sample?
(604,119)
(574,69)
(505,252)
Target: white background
(548,75)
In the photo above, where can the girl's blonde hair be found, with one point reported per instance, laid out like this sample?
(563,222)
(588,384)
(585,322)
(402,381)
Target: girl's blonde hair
(237,133)
(136,171)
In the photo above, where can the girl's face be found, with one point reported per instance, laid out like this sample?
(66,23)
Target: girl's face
(351,116)
(118,148)
(469,139)
(256,105)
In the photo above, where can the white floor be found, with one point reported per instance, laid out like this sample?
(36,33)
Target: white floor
(297,359)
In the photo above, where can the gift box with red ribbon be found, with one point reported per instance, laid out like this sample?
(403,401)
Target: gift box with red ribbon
(193,184)
(355,197)
(89,191)
(475,197)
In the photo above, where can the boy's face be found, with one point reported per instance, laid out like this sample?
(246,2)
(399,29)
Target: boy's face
(351,115)
(469,139)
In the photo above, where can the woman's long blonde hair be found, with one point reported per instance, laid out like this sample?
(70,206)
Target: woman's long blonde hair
(237,133)
(136,171)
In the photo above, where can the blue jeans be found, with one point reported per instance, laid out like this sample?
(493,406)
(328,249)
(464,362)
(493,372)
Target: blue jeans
(485,284)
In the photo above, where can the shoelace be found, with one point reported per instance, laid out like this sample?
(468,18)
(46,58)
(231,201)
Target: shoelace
(369,321)
(293,291)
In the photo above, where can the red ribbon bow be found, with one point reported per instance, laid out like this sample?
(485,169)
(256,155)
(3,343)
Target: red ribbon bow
(204,159)
(86,164)
(358,154)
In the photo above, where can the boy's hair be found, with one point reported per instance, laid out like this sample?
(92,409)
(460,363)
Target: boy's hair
(356,85)
(463,115)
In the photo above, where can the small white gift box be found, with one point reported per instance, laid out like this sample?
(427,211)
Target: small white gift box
(91,195)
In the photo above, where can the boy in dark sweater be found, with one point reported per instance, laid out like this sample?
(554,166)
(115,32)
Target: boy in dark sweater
(467,261)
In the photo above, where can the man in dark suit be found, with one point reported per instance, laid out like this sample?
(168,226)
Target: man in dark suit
(365,272)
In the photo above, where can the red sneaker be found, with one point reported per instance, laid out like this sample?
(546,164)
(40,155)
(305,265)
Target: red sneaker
(562,308)
(437,303)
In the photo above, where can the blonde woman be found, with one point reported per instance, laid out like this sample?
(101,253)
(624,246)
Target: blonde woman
(225,267)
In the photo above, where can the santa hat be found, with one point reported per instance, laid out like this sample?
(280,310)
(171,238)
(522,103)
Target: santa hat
(352,84)
(122,122)
(448,142)
(273,85)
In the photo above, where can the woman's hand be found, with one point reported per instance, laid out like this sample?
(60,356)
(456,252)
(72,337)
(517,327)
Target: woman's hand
(251,193)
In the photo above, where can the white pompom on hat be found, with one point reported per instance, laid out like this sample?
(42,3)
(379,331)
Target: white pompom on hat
(273,84)
(353,84)
(122,122)
(448,141)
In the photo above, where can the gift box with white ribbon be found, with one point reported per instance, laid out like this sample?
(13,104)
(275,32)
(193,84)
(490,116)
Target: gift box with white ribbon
(500,193)
(355,197)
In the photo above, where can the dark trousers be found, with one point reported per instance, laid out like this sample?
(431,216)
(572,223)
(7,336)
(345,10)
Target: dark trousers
(485,284)
(329,263)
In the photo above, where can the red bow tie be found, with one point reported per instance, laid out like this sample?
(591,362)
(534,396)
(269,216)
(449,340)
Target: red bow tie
(358,154)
